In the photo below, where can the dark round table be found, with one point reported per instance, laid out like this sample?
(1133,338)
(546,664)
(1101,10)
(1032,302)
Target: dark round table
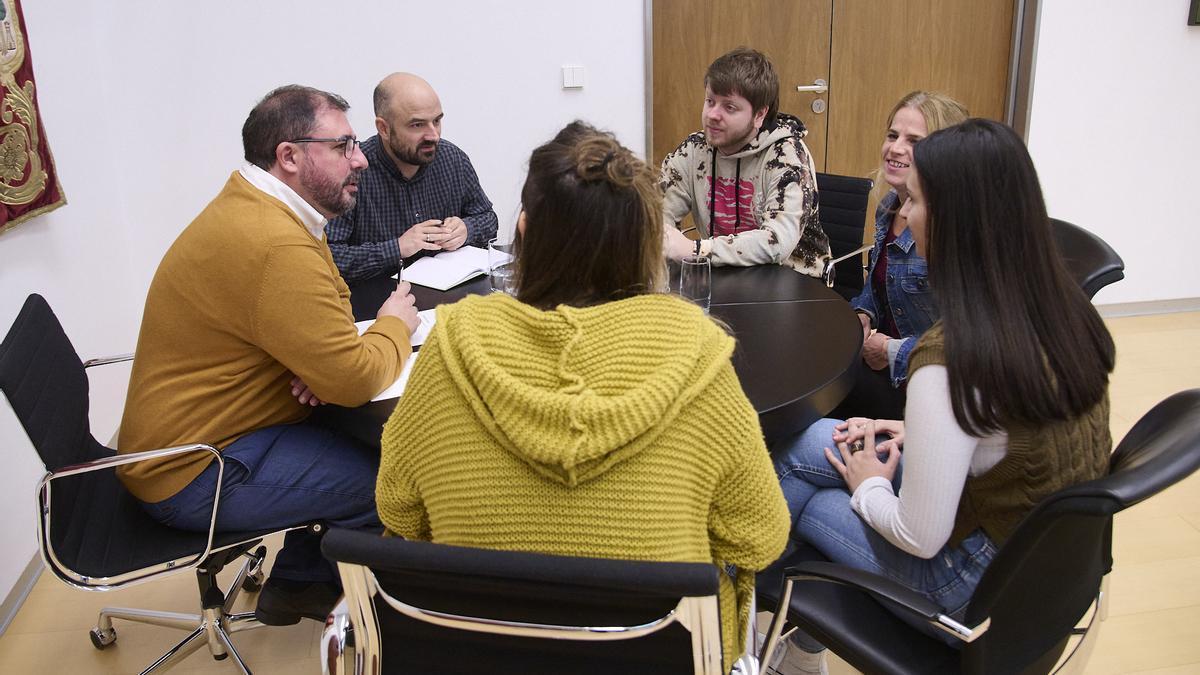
(798,344)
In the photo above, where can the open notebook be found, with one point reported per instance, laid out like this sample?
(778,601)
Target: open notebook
(448,268)
(428,316)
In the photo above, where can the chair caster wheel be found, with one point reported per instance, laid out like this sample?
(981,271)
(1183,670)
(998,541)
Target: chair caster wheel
(102,638)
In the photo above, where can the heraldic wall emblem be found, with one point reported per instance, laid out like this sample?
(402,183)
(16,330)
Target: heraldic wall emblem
(28,181)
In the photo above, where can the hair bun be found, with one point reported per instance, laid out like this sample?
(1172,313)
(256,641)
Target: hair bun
(603,159)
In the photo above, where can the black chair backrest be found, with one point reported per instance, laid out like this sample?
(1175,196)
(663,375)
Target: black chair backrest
(529,587)
(843,209)
(1089,259)
(45,382)
(1063,548)
(96,527)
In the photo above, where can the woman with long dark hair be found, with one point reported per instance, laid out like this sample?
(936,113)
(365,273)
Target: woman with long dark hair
(1007,394)
(591,414)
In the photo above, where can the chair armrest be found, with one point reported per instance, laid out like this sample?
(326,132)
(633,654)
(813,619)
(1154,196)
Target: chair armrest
(105,360)
(132,458)
(886,591)
(44,511)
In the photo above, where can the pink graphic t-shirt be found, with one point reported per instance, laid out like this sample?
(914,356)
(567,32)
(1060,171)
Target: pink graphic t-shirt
(734,206)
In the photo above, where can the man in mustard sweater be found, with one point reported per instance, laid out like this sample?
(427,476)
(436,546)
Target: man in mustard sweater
(247,325)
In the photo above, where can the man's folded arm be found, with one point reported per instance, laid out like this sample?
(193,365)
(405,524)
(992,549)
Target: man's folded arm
(302,321)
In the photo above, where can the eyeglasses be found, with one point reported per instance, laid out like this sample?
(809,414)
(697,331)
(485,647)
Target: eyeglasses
(348,143)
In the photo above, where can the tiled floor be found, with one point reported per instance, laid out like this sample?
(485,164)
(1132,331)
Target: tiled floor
(1154,616)
(1153,624)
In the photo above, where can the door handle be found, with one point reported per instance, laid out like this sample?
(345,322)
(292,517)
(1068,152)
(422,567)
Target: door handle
(818,86)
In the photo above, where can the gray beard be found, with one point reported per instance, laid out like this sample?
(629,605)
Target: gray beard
(328,194)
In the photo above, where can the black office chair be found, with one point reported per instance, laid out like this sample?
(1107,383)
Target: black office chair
(92,534)
(843,209)
(1090,260)
(468,610)
(1037,589)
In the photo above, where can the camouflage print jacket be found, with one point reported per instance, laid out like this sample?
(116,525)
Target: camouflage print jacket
(762,207)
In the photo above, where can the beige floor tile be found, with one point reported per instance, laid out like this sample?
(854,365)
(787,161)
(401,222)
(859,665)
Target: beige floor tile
(1185,669)
(1153,586)
(71,608)
(139,645)
(840,667)
(67,608)
(1154,323)
(282,667)
(1140,540)
(1193,519)
(1137,395)
(1154,371)
(69,652)
(1142,364)
(1181,498)
(1146,641)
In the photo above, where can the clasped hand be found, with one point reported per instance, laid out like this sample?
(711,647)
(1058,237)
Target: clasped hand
(857,458)
(433,235)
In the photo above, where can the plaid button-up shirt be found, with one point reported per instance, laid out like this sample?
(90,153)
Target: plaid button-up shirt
(364,239)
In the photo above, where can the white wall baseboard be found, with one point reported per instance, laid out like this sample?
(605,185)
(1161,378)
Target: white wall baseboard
(1119,309)
(20,590)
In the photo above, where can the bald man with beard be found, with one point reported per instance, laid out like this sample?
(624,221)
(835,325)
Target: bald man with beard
(419,193)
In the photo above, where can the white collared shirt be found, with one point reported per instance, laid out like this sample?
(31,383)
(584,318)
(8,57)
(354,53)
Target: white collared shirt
(313,221)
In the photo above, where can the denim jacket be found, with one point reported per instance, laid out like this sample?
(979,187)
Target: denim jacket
(909,297)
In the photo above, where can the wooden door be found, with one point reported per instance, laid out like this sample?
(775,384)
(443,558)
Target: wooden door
(689,34)
(871,53)
(883,50)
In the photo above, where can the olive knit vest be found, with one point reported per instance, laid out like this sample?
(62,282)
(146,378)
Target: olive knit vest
(1039,461)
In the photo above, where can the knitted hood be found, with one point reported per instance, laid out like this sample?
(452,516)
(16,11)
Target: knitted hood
(573,391)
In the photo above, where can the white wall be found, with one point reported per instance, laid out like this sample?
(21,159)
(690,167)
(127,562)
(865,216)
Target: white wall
(143,103)
(1114,133)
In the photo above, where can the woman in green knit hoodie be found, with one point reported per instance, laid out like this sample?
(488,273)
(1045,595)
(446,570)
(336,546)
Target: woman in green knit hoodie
(591,414)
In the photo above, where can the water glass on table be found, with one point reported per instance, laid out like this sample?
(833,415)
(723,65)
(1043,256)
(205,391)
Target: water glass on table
(501,265)
(695,280)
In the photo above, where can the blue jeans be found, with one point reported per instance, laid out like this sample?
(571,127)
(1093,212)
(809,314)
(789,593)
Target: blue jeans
(279,477)
(819,505)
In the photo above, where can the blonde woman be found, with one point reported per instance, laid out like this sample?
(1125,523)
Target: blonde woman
(896,302)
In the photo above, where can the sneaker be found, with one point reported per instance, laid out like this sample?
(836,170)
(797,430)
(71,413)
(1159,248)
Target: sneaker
(283,602)
(795,661)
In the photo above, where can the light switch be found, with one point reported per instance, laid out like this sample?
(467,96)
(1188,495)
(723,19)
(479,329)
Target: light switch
(572,77)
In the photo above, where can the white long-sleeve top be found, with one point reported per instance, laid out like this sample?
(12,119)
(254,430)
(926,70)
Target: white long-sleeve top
(938,457)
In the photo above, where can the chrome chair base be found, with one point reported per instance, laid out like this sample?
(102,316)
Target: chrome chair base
(212,626)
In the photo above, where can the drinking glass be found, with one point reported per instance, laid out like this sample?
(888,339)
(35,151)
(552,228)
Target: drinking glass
(695,280)
(501,265)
